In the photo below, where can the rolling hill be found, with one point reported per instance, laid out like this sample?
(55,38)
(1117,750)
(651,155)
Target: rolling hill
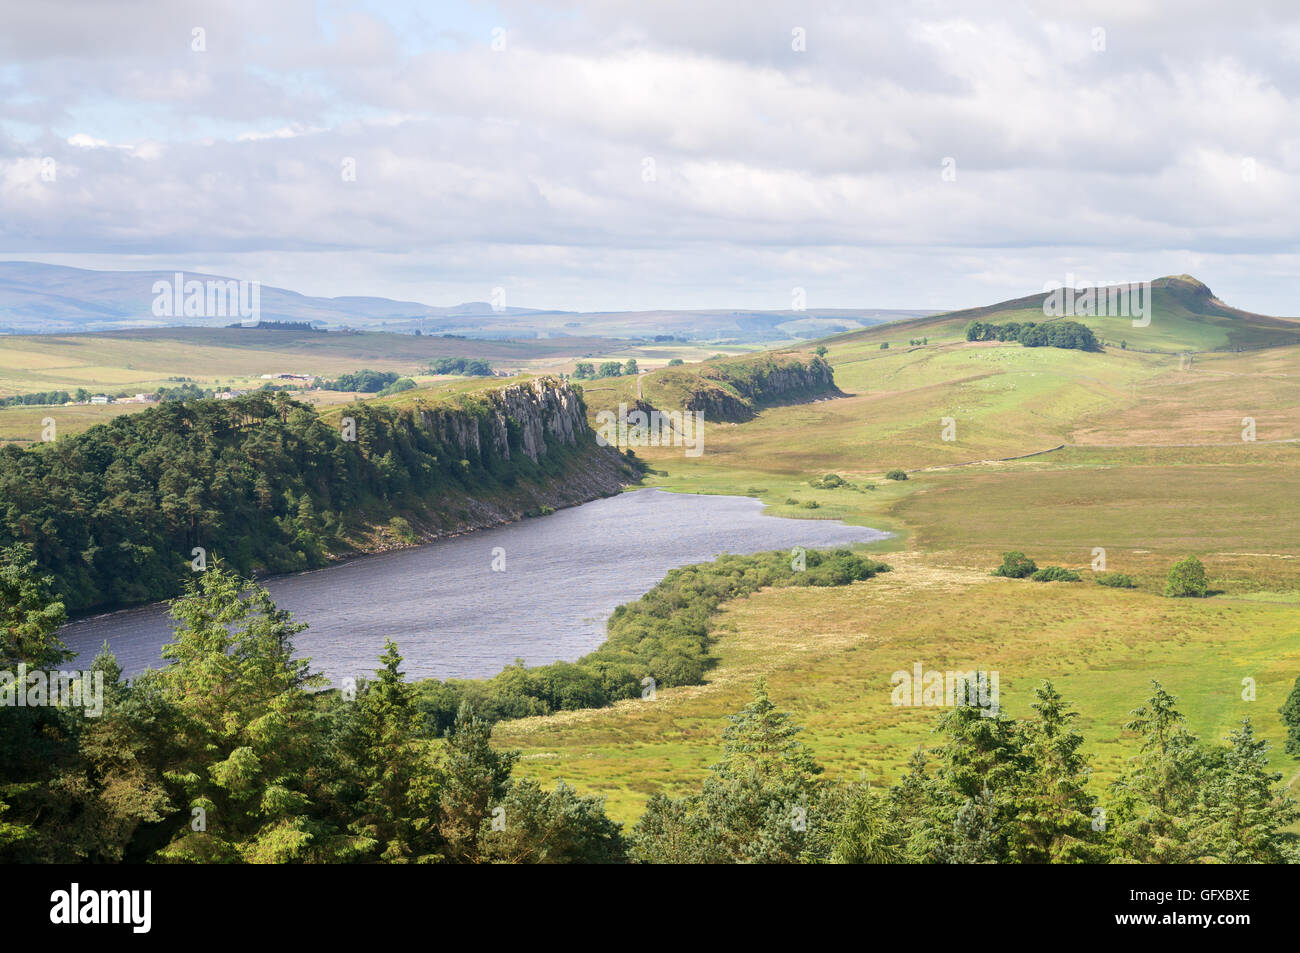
(38,298)
(1185,316)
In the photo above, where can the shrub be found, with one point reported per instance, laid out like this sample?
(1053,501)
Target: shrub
(1016,565)
(896,475)
(1186,578)
(830,481)
(810,504)
(1116,580)
(1055,574)
(400,528)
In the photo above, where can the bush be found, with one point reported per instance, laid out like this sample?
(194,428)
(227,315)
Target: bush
(1055,574)
(830,481)
(1186,578)
(402,529)
(1116,580)
(896,475)
(1016,565)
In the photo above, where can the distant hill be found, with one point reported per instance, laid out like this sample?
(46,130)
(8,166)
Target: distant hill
(38,298)
(1185,316)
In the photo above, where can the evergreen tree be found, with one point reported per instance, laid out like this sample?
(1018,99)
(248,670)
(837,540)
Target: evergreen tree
(1241,816)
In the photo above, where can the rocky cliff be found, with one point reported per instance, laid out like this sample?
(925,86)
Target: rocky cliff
(737,390)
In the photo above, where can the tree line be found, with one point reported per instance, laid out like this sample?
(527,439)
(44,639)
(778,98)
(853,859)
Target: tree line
(115,512)
(1064,334)
(231,754)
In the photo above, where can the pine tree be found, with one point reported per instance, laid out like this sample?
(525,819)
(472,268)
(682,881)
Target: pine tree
(1242,817)
(1154,801)
(475,780)
(1053,809)
(1291,718)
(243,742)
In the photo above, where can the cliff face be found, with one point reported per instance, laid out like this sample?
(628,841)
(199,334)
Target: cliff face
(534,410)
(535,438)
(736,391)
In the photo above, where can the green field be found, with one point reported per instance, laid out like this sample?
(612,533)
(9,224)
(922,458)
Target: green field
(1151,467)
(1057,453)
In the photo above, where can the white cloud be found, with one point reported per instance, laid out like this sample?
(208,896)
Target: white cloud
(772,167)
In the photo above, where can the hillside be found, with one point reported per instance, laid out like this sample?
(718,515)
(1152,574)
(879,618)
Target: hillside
(1185,316)
(52,299)
(115,513)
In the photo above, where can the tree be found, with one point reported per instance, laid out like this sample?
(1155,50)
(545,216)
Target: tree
(756,805)
(1291,718)
(583,370)
(475,780)
(1154,801)
(29,614)
(630,367)
(384,778)
(1243,816)
(242,734)
(1186,578)
(1016,565)
(1054,820)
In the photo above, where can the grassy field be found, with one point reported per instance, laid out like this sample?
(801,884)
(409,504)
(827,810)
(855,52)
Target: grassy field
(1138,453)
(1151,467)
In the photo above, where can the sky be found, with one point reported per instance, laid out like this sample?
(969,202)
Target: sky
(616,155)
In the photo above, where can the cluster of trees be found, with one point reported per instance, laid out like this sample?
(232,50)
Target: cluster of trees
(41,397)
(1186,578)
(586,370)
(465,366)
(1063,334)
(364,381)
(231,753)
(662,639)
(995,790)
(116,511)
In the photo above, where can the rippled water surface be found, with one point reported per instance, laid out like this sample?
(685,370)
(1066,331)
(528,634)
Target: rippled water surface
(453,616)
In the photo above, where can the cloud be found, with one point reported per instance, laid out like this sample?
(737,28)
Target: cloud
(619,154)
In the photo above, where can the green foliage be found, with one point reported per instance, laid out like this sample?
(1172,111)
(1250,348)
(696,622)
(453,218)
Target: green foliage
(830,481)
(397,386)
(41,397)
(583,370)
(1062,334)
(364,381)
(1186,578)
(1291,718)
(664,636)
(896,475)
(610,369)
(1055,574)
(466,367)
(1115,580)
(1016,565)
(113,513)
(676,362)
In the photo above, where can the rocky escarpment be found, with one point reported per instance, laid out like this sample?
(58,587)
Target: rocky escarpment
(484,424)
(737,390)
(527,448)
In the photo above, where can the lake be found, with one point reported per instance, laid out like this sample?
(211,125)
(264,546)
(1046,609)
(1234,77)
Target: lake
(453,615)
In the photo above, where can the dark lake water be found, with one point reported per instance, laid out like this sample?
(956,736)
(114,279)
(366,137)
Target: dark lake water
(453,615)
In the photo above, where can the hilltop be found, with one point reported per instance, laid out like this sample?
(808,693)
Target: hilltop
(1185,316)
